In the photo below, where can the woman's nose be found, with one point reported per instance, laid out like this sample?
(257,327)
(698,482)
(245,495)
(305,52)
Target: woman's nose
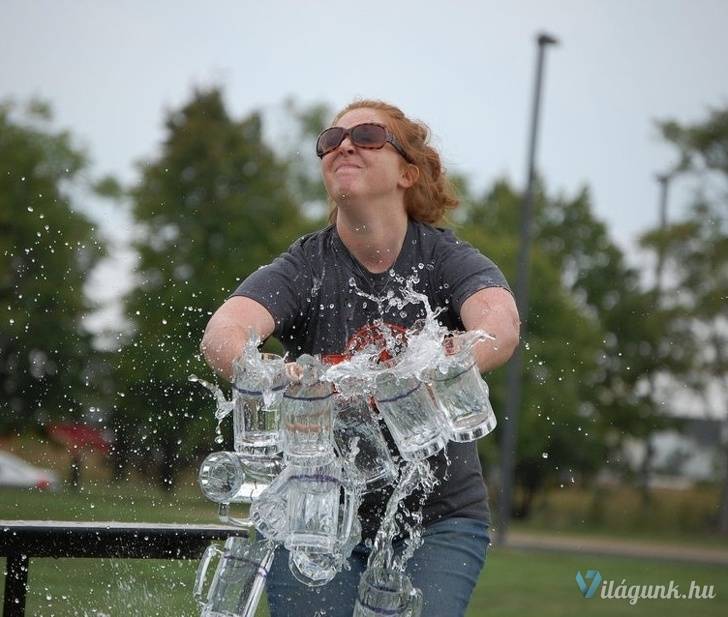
(346,144)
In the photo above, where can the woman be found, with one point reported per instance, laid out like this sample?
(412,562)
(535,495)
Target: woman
(388,189)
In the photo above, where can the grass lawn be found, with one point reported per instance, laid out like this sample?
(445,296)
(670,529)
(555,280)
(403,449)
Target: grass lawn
(514,583)
(672,516)
(517,583)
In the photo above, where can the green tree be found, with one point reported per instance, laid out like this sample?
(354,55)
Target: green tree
(213,206)
(636,330)
(47,248)
(304,123)
(590,333)
(696,250)
(551,437)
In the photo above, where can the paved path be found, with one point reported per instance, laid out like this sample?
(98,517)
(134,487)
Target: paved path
(617,547)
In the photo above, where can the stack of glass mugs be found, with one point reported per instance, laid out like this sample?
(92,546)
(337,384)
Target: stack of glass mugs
(304,454)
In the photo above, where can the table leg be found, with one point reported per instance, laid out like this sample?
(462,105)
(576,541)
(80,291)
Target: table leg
(16,585)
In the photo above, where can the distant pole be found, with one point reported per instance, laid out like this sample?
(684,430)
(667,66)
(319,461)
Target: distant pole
(664,181)
(515,366)
(646,471)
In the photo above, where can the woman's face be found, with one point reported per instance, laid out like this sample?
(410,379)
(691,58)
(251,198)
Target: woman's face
(353,174)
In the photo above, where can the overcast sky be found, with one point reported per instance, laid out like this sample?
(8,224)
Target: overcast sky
(110,69)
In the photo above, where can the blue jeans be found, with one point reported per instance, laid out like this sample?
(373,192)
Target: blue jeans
(446,568)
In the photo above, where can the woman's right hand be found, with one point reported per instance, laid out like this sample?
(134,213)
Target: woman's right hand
(293,371)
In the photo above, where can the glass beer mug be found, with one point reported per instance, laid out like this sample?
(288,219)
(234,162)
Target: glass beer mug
(387,593)
(314,568)
(462,395)
(259,381)
(415,421)
(358,436)
(269,511)
(314,520)
(238,582)
(223,479)
(307,418)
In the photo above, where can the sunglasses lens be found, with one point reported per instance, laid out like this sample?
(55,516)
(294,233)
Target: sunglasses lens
(362,135)
(369,135)
(329,140)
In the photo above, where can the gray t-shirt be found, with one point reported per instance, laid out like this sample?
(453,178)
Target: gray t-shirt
(308,290)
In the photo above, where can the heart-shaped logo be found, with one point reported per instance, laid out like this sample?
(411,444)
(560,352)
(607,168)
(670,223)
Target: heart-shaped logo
(590,583)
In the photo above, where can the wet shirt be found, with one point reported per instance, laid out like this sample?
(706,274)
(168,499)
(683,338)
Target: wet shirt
(311,293)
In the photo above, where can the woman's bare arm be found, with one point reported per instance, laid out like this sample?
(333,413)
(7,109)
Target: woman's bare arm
(228,331)
(494,311)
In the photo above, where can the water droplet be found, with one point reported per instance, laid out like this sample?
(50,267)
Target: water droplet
(544,454)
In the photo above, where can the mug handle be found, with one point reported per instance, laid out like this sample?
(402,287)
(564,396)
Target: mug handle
(415,607)
(207,558)
(223,515)
(350,501)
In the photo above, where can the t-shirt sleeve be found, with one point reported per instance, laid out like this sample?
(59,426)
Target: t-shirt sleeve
(280,287)
(463,270)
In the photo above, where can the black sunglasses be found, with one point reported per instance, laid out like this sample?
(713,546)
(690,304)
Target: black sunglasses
(367,135)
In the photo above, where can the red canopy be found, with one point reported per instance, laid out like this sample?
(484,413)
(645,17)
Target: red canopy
(81,436)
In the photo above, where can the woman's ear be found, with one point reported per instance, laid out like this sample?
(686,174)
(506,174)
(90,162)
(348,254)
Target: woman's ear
(409,175)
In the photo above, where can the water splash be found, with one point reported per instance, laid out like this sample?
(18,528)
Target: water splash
(260,371)
(414,475)
(402,353)
(224,406)
(421,347)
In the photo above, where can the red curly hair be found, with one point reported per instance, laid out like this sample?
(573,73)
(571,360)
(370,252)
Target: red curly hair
(432,195)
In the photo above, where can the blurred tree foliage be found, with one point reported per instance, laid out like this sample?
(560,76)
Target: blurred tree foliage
(304,178)
(696,251)
(213,206)
(47,248)
(589,349)
(218,201)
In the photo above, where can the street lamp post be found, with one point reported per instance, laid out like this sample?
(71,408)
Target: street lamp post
(646,471)
(664,181)
(515,366)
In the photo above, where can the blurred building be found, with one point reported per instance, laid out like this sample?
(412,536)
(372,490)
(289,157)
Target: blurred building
(682,457)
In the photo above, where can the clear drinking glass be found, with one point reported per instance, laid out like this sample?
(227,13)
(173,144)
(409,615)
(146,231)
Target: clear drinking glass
(314,568)
(238,581)
(222,479)
(258,386)
(263,468)
(416,423)
(269,511)
(316,521)
(462,395)
(307,419)
(387,593)
(355,426)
